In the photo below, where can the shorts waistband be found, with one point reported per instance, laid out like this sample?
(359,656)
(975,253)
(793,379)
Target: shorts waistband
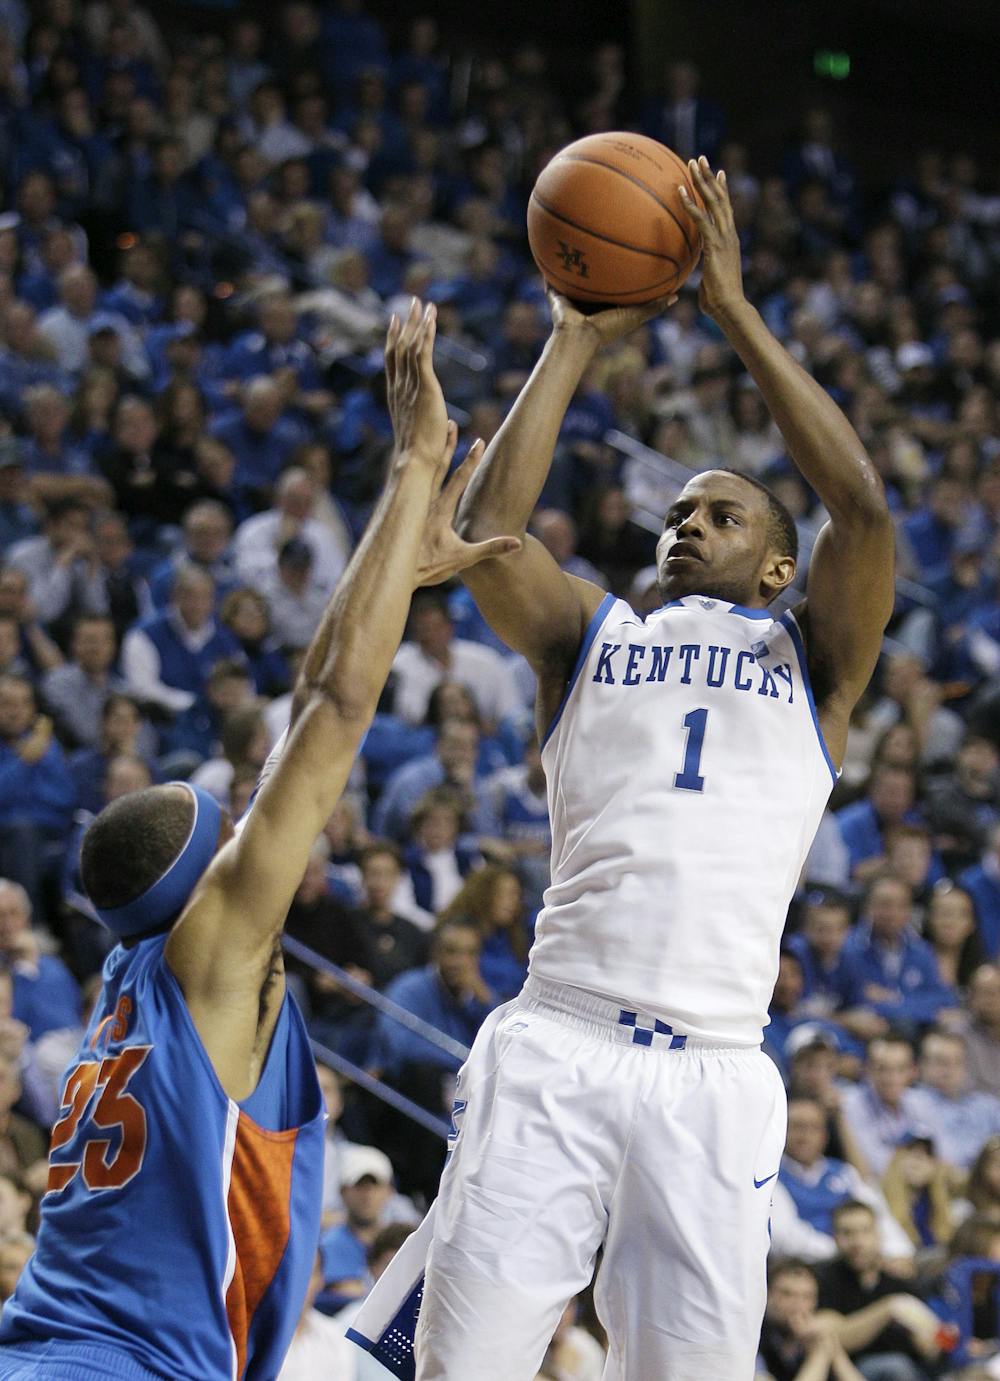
(624,1025)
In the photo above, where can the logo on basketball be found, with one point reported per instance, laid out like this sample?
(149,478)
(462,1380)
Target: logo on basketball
(573,259)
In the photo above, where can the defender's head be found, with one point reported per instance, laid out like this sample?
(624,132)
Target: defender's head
(145,853)
(727,536)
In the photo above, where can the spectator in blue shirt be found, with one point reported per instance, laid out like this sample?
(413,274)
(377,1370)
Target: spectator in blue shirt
(276,346)
(166,658)
(49,449)
(37,795)
(493,899)
(437,860)
(963,807)
(197,730)
(25,361)
(352,41)
(206,534)
(449,993)
(783,1010)
(18,521)
(964,1119)
(46,995)
(883,1110)
(889,801)
(982,882)
(453,763)
(818,1183)
(164,200)
(124,733)
(137,293)
(820,950)
(933,531)
(891,972)
(366,1188)
(260,436)
(389,258)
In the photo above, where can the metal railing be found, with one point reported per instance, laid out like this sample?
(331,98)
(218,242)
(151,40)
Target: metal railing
(379,1003)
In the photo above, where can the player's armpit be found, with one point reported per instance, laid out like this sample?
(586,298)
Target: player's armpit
(850,593)
(535,607)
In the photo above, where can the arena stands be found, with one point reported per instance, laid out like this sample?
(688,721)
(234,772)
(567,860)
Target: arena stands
(203,232)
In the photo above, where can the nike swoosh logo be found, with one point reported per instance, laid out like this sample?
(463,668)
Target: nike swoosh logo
(759,1184)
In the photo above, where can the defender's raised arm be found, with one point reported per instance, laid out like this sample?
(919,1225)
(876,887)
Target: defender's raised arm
(223,945)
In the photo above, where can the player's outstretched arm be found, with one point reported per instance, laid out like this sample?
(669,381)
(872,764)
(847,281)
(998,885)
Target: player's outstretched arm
(850,585)
(527,600)
(226,936)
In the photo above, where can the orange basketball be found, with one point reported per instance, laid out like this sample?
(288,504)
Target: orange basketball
(607,224)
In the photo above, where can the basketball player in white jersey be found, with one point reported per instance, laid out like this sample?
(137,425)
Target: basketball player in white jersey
(623,1099)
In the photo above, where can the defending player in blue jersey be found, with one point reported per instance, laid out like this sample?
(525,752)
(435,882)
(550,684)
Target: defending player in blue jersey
(182,1214)
(623,1100)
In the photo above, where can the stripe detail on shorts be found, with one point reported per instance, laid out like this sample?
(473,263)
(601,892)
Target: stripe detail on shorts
(394,1348)
(598,1016)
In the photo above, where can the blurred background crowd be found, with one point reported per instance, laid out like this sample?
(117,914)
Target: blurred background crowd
(204,230)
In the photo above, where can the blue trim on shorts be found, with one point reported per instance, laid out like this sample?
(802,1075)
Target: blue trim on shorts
(395,1347)
(790,624)
(593,628)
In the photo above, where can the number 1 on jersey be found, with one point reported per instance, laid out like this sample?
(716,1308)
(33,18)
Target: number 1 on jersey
(688,778)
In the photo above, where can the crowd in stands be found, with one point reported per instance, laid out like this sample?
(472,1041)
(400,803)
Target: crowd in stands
(202,237)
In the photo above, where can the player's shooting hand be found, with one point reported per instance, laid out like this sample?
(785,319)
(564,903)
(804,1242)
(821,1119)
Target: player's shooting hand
(442,552)
(416,404)
(721,272)
(601,328)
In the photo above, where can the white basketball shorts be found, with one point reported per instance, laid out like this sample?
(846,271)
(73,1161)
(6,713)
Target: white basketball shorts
(579,1125)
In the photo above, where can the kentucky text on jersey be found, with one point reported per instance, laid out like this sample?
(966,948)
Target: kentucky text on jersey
(686,777)
(710,666)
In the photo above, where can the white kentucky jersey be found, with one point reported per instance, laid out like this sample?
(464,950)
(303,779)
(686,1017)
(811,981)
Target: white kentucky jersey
(686,780)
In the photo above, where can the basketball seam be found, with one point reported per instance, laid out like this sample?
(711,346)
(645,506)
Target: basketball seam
(575,288)
(618,244)
(637,181)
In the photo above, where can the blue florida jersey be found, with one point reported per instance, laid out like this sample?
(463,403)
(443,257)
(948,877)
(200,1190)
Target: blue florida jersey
(686,780)
(178,1227)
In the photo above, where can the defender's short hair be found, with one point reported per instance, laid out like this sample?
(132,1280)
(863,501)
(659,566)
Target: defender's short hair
(133,842)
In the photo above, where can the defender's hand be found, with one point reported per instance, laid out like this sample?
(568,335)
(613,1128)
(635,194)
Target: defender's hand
(721,274)
(602,328)
(416,403)
(442,552)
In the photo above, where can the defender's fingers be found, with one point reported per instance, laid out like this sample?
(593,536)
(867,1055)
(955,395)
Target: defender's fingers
(700,217)
(728,213)
(428,333)
(701,176)
(450,442)
(459,481)
(391,337)
(405,348)
(407,335)
(492,547)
